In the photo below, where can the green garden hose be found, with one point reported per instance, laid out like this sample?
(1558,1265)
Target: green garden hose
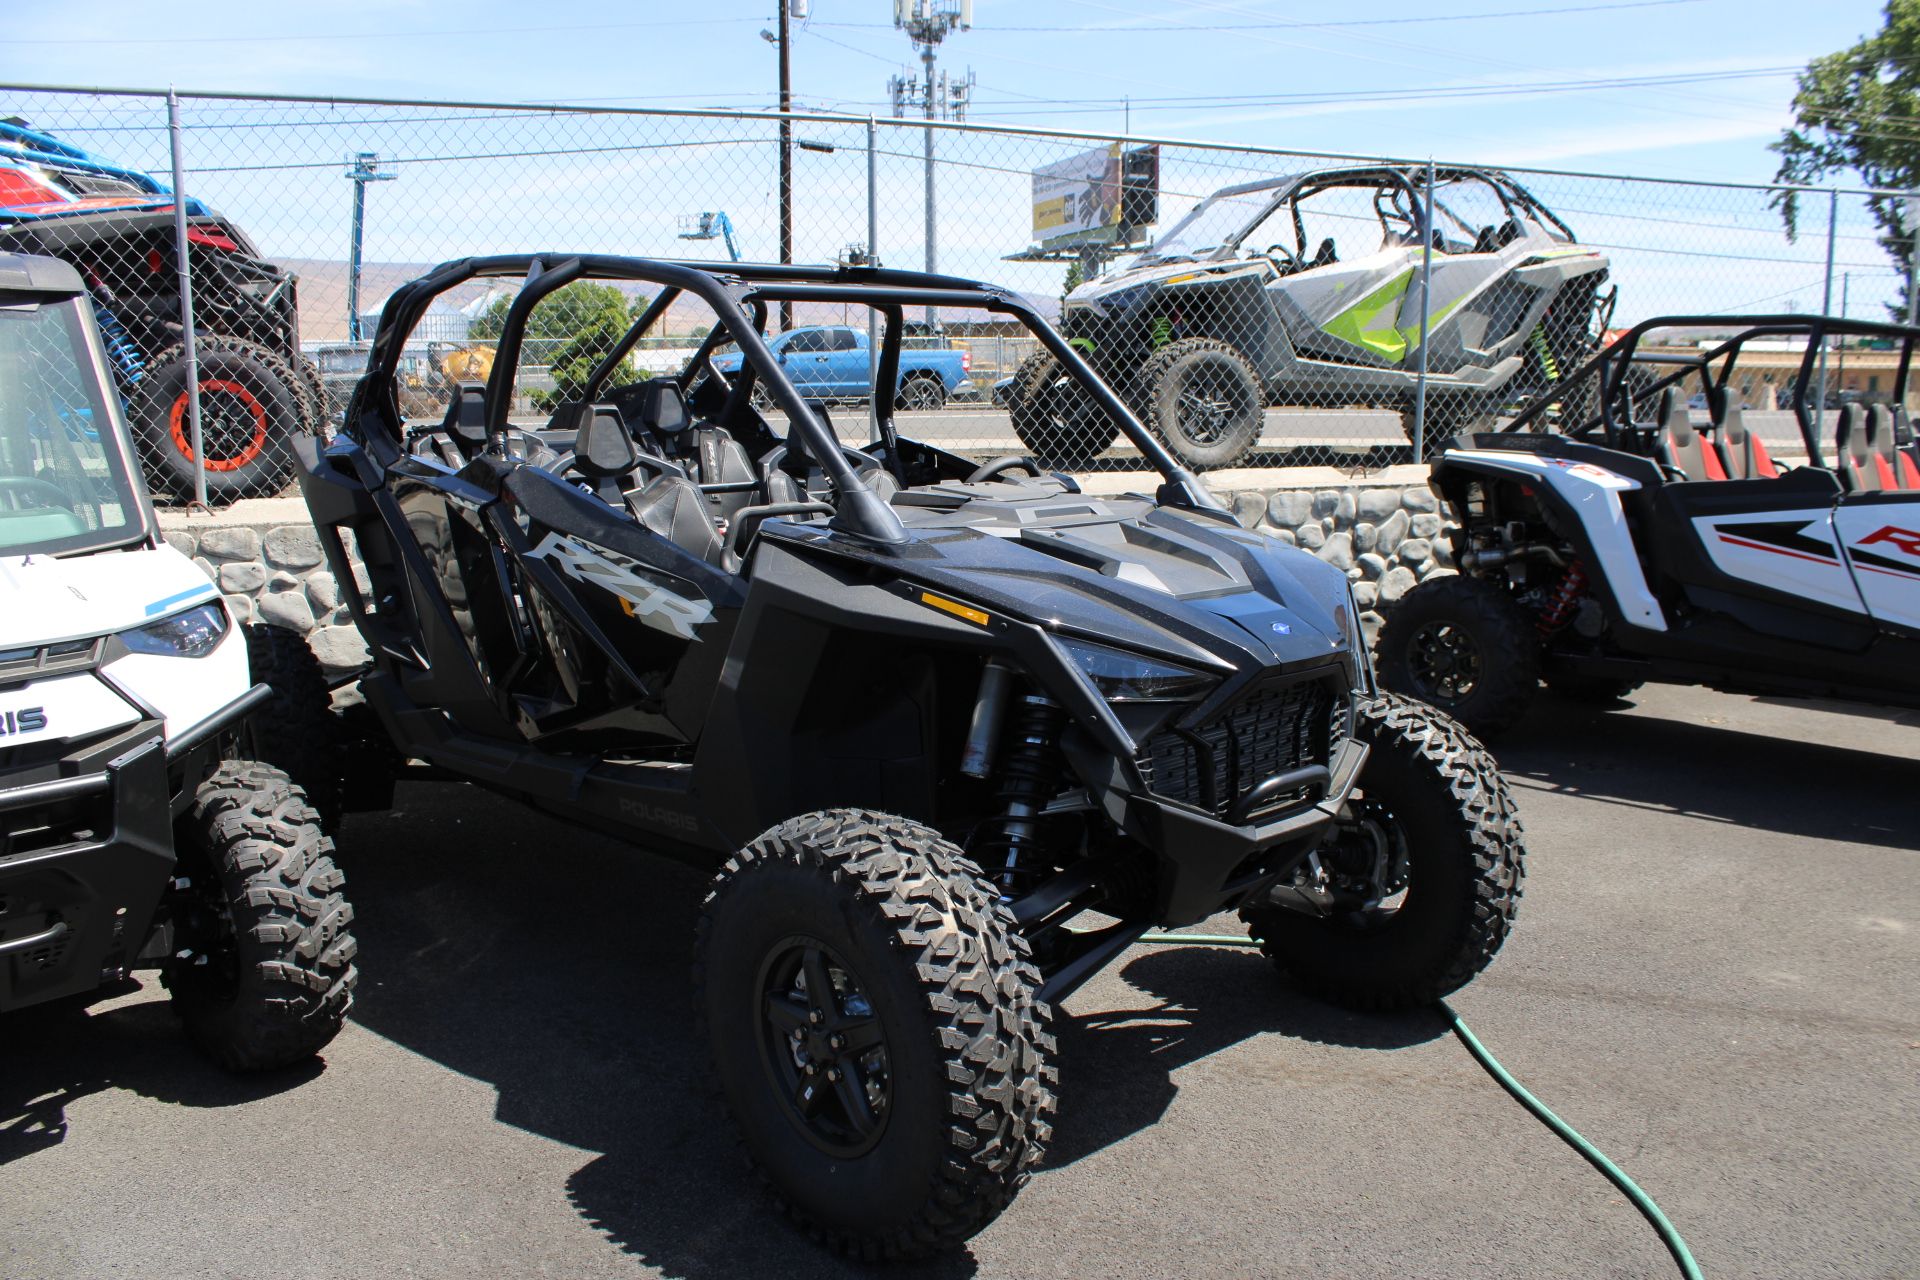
(1568,1134)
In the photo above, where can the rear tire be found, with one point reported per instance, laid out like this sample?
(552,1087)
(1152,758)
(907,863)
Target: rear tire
(1059,423)
(271,975)
(1434,794)
(923,395)
(930,1094)
(1447,416)
(251,404)
(296,730)
(1461,644)
(1203,398)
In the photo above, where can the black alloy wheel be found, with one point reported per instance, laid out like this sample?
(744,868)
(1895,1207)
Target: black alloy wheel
(825,1049)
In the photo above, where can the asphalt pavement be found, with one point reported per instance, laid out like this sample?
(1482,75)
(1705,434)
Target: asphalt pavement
(1715,976)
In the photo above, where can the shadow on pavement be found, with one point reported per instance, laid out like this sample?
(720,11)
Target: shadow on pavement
(60,1053)
(1120,1064)
(1721,773)
(554,966)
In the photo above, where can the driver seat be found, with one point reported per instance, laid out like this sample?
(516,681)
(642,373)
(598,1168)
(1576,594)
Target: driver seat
(710,455)
(1680,445)
(1325,256)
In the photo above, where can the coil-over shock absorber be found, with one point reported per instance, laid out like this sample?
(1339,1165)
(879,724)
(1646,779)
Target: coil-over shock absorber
(1029,774)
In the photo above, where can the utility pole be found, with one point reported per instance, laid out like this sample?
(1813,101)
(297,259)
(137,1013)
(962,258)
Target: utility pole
(789,9)
(362,167)
(927,23)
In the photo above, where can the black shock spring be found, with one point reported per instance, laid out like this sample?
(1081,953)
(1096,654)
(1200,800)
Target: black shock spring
(1030,772)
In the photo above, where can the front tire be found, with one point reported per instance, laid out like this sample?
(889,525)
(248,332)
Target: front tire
(1422,879)
(1461,644)
(898,1113)
(1055,418)
(268,976)
(1202,397)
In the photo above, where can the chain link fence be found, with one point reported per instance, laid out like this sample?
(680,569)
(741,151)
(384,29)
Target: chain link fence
(1257,307)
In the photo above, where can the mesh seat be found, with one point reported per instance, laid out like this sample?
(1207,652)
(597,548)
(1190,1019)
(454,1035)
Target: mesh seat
(1681,447)
(1893,466)
(1860,469)
(1746,454)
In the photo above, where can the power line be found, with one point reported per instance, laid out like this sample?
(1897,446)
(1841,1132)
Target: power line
(441,33)
(1305,26)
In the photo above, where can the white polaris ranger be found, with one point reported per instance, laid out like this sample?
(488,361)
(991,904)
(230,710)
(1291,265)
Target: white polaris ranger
(141,825)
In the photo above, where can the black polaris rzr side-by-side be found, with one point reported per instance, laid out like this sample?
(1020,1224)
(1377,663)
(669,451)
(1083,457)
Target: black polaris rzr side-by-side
(950,735)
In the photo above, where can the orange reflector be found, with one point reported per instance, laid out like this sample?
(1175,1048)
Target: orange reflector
(954,607)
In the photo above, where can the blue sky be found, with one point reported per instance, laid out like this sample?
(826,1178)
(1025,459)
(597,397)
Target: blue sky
(711,54)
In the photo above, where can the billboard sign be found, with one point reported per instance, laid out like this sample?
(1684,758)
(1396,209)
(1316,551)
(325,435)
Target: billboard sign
(1093,197)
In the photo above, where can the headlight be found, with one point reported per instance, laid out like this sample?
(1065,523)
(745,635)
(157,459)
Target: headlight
(1128,677)
(191,633)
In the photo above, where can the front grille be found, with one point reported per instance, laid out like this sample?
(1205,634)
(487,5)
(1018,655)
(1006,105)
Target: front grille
(1269,732)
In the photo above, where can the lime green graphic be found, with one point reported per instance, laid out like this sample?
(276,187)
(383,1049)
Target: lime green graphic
(1369,323)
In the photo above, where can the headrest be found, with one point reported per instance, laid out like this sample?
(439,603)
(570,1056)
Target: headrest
(467,412)
(1851,434)
(663,406)
(1673,415)
(601,446)
(1880,427)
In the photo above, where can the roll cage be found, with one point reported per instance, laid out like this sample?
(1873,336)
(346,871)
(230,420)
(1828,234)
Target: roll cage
(1624,395)
(1397,197)
(739,297)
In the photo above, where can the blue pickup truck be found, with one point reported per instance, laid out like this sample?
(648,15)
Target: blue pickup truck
(832,362)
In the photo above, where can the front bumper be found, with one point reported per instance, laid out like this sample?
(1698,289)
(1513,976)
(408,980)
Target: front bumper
(87,857)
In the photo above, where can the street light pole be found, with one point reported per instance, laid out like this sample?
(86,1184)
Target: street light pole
(362,168)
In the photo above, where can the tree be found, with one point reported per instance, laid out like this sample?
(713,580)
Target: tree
(1858,111)
(570,331)
(1076,276)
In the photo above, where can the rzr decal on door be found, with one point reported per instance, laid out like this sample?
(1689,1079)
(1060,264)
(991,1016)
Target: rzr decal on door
(639,596)
(1885,554)
(1790,551)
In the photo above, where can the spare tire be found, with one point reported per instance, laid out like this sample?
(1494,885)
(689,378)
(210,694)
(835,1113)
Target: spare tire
(251,407)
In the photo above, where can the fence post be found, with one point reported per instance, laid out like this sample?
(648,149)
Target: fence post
(1913,260)
(1826,309)
(186,301)
(1426,302)
(873,259)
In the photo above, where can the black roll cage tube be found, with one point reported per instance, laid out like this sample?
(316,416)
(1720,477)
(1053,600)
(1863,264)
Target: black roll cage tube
(1609,367)
(740,293)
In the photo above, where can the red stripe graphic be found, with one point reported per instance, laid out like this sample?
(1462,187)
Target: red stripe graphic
(1779,551)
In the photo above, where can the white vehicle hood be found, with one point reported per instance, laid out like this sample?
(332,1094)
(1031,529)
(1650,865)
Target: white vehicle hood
(52,599)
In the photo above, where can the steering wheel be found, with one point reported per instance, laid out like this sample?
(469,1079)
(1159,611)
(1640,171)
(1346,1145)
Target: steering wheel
(988,470)
(1288,260)
(14,488)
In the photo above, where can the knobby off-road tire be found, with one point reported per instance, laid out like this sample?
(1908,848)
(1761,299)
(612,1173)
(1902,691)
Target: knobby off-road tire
(1465,867)
(271,922)
(1203,398)
(907,928)
(1449,414)
(252,405)
(296,729)
(1055,418)
(1461,644)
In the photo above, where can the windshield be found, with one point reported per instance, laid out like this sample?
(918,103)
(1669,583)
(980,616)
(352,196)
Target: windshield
(1221,219)
(63,477)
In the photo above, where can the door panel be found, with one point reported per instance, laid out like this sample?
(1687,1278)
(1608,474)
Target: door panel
(1792,552)
(1881,534)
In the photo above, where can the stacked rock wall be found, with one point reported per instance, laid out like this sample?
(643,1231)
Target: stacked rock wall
(1386,537)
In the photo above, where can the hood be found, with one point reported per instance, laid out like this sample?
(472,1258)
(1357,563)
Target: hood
(50,599)
(1194,588)
(1097,293)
